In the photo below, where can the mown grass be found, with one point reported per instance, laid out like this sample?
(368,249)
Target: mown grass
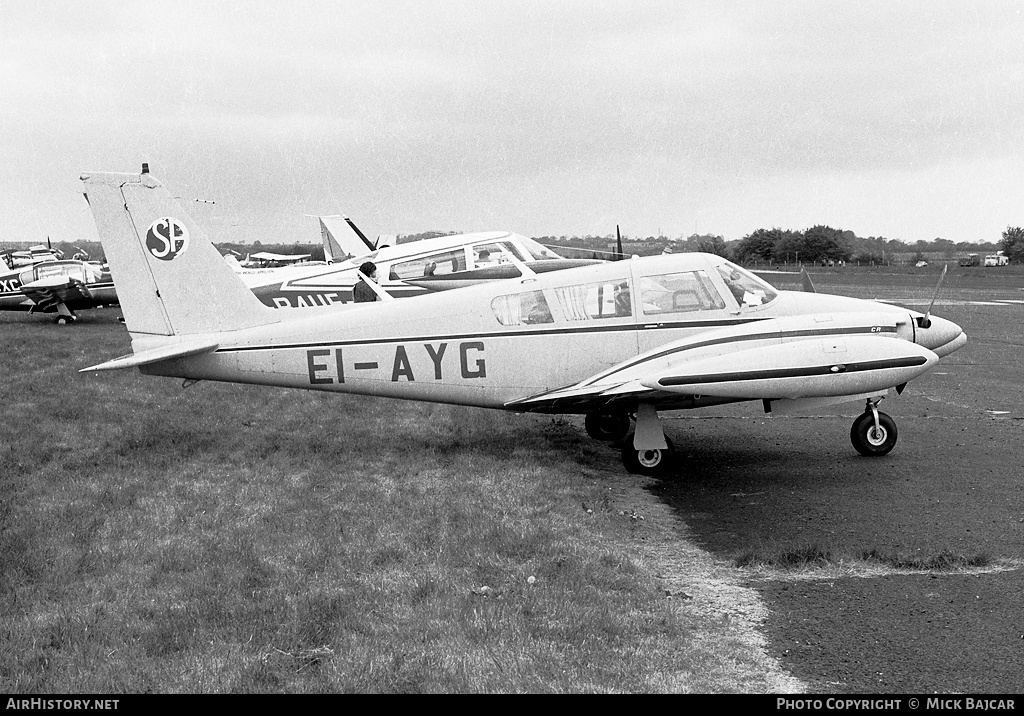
(227,538)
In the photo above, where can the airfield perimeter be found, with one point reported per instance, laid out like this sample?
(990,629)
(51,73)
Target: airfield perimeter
(900,574)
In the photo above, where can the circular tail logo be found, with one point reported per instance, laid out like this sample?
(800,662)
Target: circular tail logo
(167,238)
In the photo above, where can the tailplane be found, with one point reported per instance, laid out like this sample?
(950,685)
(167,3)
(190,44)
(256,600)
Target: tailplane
(170,278)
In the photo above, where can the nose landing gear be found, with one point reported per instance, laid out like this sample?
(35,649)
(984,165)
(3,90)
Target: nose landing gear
(874,433)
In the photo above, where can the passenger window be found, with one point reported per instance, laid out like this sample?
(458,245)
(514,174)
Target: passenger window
(596,300)
(526,308)
(435,264)
(679,293)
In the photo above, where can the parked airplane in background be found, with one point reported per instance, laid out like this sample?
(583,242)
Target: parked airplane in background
(404,270)
(33,255)
(60,287)
(610,341)
(343,239)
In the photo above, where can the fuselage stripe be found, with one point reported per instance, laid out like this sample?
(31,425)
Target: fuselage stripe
(489,334)
(806,372)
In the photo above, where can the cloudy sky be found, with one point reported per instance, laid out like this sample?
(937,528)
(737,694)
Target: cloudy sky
(895,119)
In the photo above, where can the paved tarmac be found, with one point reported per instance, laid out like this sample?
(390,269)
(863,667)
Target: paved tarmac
(950,490)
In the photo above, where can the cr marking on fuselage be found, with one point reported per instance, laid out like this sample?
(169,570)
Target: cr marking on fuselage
(471,363)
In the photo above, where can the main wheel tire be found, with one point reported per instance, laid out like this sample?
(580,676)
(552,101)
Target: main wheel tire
(607,427)
(870,441)
(63,320)
(652,463)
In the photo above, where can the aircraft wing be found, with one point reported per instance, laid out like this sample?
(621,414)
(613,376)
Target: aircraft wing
(48,293)
(828,356)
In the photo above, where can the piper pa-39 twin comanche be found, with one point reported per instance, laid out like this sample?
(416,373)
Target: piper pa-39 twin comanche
(611,341)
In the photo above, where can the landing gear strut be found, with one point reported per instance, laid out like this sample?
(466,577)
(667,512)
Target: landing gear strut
(65,315)
(873,433)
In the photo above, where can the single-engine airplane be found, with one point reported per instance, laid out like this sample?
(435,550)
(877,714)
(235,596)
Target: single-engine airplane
(609,341)
(60,287)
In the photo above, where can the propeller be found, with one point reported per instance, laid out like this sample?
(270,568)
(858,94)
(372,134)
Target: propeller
(618,244)
(926,322)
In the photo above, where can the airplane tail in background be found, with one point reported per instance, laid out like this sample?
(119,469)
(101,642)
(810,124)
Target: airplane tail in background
(170,278)
(342,239)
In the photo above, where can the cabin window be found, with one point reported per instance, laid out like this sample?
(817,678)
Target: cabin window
(747,289)
(594,301)
(434,264)
(527,308)
(679,293)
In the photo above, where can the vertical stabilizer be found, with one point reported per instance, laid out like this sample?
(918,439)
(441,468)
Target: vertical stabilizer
(170,279)
(342,238)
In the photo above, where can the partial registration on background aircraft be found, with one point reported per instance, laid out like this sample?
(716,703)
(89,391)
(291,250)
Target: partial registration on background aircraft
(618,342)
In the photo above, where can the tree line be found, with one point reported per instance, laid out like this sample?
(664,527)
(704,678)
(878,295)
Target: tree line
(817,245)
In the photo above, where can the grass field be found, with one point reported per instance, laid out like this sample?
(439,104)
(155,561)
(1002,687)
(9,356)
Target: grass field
(225,538)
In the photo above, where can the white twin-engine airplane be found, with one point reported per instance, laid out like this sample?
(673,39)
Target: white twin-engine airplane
(611,341)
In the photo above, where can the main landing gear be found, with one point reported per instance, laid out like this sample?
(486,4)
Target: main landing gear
(64,315)
(647,451)
(873,433)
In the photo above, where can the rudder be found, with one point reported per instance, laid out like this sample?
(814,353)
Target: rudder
(170,278)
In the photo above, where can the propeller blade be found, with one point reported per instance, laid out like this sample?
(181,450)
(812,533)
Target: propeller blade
(618,244)
(928,314)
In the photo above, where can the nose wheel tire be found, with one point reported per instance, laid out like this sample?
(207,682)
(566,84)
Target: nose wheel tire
(652,462)
(870,440)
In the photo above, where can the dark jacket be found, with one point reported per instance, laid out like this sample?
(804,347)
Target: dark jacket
(362,293)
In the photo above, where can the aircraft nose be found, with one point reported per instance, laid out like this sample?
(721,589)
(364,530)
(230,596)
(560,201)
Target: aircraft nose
(941,336)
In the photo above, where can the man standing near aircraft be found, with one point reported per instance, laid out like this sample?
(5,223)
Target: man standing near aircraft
(361,292)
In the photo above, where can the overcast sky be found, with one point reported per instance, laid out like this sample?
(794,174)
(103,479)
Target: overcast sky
(895,119)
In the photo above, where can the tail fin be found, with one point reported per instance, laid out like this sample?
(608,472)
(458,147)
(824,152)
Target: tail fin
(805,279)
(342,239)
(169,278)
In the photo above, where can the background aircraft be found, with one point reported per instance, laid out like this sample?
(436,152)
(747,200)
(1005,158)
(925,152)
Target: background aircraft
(610,341)
(404,270)
(343,239)
(60,287)
(32,255)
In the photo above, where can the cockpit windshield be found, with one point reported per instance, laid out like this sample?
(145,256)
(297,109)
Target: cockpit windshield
(746,288)
(537,251)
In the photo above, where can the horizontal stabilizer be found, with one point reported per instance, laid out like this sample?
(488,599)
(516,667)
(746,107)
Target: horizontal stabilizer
(177,349)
